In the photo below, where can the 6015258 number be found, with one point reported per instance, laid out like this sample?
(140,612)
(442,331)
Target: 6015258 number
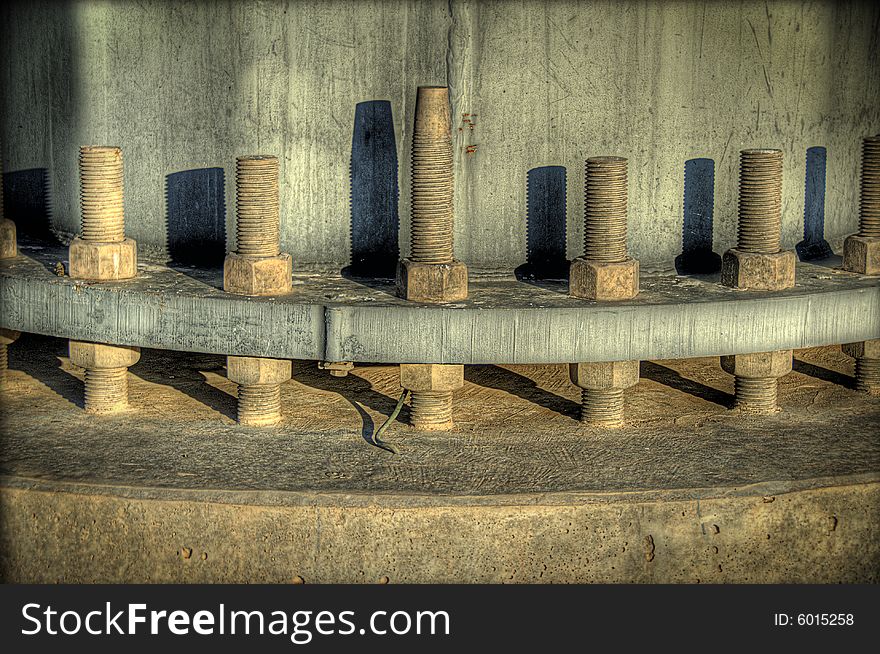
(824,619)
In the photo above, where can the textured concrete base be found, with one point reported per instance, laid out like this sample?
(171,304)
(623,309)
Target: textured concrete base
(61,533)
(518,485)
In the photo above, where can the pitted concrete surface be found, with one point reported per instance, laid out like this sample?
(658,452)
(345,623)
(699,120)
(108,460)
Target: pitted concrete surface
(688,491)
(516,430)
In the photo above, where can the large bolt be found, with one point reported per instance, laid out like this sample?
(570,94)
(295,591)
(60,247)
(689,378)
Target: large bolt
(257,267)
(8,244)
(605,272)
(602,387)
(861,251)
(605,195)
(432,387)
(101,194)
(760,201)
(431,273)
(7,338)
(102,252)
(757,262)
(258,225)
(756,379)
(106,374)
(432,178)
(259,388)
(867,356)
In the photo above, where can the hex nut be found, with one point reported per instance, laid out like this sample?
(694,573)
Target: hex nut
(431,376)
(758,365)
(104,262)
(758,272)
(868,349)
(861,254)
(8,336)
(598,280)
(259,276)
(432,282)
(604,375)
(258,370)
(101,355)
(8,246)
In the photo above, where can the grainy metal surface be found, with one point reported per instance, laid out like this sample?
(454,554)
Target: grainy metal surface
(339,319)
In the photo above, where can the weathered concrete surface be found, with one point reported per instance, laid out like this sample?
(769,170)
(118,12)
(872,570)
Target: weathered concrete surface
(173,490)
(331,318)
(189,86)
(53,533)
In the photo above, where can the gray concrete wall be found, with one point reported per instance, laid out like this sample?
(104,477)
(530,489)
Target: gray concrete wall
(188,86)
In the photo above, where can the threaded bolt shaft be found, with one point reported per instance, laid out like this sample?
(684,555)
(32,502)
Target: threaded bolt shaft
(431,410)
(4,358)
(432,178)
(605,195)
(106,389)
(259,404)
(602,407)
(760,201)
(258,224)
(101,193)
(869,200)
(756,396)
(867,375)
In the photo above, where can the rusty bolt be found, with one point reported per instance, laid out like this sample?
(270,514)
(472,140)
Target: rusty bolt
(756,379)
(602,387)
(605,272)
(7,338)
(432,387)
(861,251)
(257,267)
(431,273)
(867,356)
(757,262)
(106,374)
(102,252)
(259,388)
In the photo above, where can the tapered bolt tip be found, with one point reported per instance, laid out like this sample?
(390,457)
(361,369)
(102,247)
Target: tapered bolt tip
(433,117)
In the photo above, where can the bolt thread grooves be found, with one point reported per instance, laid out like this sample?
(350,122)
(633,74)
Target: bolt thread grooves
(258,224)
(602,407)
(755,395)
(4,358)
(101,193)
(431,409)
(867,374)
(605,190)
(431,238)
(106,389)
(259,404)
(869,201)
(760,201)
